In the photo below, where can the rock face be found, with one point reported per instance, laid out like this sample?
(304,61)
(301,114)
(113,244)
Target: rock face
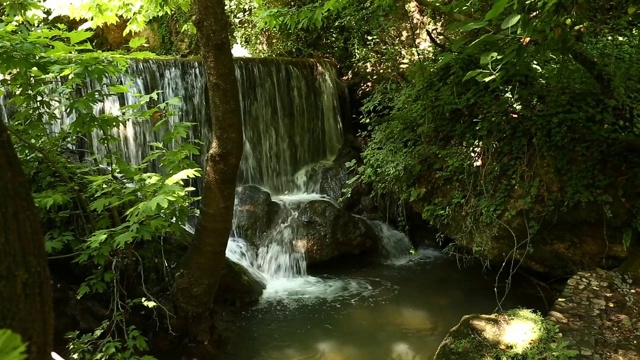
(565,243)
(325,231)
(516,334)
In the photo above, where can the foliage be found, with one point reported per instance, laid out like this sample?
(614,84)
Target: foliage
(175,33)
(11,346)
(530,108)
(97,346)
(368,38)
(96,13)
(110,216)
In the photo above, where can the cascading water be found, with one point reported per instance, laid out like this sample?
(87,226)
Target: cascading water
(292,122)
(291,113)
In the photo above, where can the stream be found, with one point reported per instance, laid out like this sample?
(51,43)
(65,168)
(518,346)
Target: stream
(364,310)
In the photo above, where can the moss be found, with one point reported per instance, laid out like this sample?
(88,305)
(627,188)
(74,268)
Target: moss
(518,334)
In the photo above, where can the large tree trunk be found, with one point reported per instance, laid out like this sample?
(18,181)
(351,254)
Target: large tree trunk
(26,306)
(198,280)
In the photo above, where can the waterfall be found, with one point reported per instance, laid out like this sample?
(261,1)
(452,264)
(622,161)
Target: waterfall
(291,114)
(395,245)
(292,122)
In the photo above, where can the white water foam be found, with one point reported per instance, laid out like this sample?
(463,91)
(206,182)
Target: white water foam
(397,247)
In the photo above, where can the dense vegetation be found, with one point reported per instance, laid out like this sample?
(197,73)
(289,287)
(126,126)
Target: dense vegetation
(518,112)
(482,116)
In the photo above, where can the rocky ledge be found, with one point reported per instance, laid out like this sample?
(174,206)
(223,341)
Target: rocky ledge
(599,314)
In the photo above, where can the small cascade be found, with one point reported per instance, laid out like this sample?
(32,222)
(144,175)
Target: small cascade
(395,244)
(240,252)
(280,256)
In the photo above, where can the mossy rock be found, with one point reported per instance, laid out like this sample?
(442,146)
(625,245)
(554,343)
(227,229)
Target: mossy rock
(516,334)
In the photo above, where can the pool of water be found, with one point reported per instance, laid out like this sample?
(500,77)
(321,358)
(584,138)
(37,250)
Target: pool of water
(364,311)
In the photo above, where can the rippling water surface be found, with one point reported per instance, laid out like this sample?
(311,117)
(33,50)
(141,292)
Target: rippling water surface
(360,311)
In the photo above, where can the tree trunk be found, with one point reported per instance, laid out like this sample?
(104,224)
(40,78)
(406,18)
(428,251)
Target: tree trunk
(198,279)
(26,306)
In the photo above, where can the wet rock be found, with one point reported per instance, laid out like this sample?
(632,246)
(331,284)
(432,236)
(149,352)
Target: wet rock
(358,198)
(325,231)
(254,213)
(237,286)
(333,180)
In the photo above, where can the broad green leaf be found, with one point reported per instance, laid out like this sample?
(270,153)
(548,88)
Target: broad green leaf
(182,175)
(496,10)
(119,89)
(136,42)
(123,239)
(175,101)
(445,59)
(471,74)
(510,21)
(158,200)
(11,346)
(78,36)
(488,57)
(99,204)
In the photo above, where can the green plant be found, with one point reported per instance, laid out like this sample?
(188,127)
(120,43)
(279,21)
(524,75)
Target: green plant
(109,216)
(11,346)
(511,119)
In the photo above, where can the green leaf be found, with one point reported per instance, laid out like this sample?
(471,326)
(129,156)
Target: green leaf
(510,21)
(487,57)
(496,10)
(471,74)
(182,175)
(78,36)
(474,25)
(445,59)
(158,200)
(148,303)
(11,346)
(175,101)
(119,89)
(136,42)
(626,238)
(123,239)
(99,204)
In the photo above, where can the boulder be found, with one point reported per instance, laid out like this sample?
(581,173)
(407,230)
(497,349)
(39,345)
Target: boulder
(325,231)
(237,286)
(254,213)
(516,334)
